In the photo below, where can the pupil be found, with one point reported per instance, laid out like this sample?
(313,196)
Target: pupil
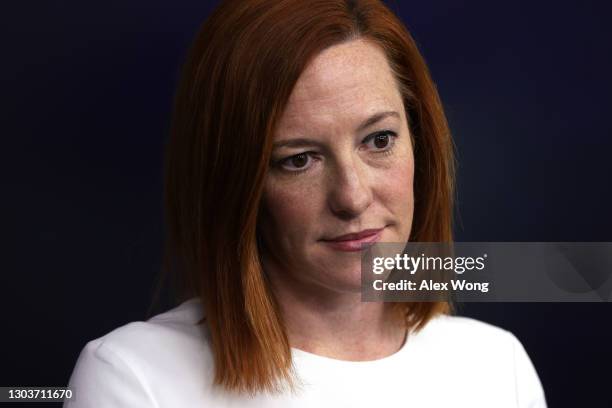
(381,141)
(299,160)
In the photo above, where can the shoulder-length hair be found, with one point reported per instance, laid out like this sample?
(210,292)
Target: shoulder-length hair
(241,69)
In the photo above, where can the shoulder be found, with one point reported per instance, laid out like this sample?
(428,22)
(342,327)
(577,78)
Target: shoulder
(468,341)
(177,326)
(167,338)
(477,351)
(466,331)
(136,360)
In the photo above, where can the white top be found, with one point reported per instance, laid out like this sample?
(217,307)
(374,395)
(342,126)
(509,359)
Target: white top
(166,362)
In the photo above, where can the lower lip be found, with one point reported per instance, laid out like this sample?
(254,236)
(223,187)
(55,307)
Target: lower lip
(355,244)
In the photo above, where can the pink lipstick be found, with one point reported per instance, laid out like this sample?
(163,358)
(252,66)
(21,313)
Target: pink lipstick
(355,241)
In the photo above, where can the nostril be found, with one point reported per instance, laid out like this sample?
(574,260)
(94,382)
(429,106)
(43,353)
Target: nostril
(345,215)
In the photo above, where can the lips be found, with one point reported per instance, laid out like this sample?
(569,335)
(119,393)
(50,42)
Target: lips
(354,241)
(357,235)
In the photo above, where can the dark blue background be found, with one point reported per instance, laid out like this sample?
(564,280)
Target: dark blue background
(88,89)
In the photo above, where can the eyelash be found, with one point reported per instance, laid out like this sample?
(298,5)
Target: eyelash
(386,152)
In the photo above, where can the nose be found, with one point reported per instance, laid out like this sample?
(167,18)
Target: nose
(349,189)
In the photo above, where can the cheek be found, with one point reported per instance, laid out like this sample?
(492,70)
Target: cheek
(290,208)
(397,191)
(401,176)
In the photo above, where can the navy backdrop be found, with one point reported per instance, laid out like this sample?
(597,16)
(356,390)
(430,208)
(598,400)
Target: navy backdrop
(88,88)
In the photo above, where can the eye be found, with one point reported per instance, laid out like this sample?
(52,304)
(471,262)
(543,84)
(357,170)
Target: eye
(380,141)
(297,162)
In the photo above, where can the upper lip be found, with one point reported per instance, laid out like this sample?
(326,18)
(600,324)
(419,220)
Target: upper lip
(355,235)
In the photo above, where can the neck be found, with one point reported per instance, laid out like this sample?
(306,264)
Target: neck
(335,324)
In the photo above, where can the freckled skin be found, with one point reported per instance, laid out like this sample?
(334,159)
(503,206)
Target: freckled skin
(347,185)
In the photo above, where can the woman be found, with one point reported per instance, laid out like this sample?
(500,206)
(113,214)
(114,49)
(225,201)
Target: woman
(302,131)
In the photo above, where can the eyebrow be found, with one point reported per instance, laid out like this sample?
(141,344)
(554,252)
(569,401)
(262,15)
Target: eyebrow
(375,118)
(301,142)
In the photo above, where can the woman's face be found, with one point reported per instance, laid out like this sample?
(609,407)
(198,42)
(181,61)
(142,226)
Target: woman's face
(342,164)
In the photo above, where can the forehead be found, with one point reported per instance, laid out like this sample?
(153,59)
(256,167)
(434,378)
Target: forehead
(344,83)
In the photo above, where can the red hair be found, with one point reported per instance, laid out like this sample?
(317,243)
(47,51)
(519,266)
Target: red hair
(241,69)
